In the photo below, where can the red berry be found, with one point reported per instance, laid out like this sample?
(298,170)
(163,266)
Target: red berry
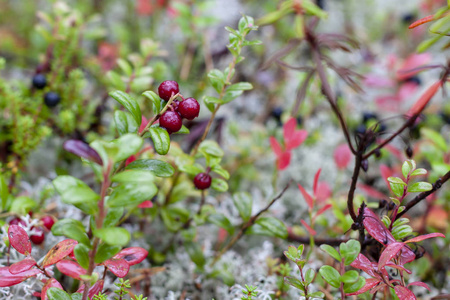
(39,237)
(48,222)
(171,121)
(17,221)
(189,108)
(202,181)
(175,104)
(167,89)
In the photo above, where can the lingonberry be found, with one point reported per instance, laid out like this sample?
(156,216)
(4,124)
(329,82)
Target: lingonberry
(168,88)
(39,81)
(17,221)
(39,237)
(189,108)
(48,222)
(202,181)
(51,99)
(171,121)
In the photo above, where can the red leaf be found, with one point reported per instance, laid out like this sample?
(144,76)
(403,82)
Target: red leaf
(419,283)
(389,253)
(52,282)
(316,180)
(22,266)
(370,191)
(424,237)
(8,279)
(376,228)
(310,230)
(363,263)
(117,266)
(19,239)
(323,209)
(401,268)
(342,156)
(284,160)
(403,293)
(276,148)
(71,268)
(132,255)
(59,252)
(309,200)
(289,129)
(297,138)
(94,290)
(323,192)
(81,149)
(412,62)
(385,173)
(370,283)
(424,99)
(146,204)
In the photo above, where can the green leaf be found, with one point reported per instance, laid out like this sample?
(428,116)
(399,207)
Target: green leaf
(397,188)
(129,103)
(192,169)
(241,86)
(157,167)
(124,66)
(73,190)
(129,194)
(211,148)
(22,205)
(349,251)
(406,168)
(350,276)
(116,80)
(221,221)
(354,287)
(71,228)
(269,226)
(113,235)
(183,130)
(156,101)
(160,138)
(331,251)
(134,176)
(127,145)
(76,296)
(81,252)
(105,252)
(125,122)
(221,171)
(330,275)
(113,216)
(54,293)
(313,9)
(217,79)
(195,253)
(243,202)
(396,180)
(230,95)
(4,193)
(419,171)
(309,276)
(419,187)
(401,231)
(212,100)
(219,185)
(294,282)
(316,295)
(435,137)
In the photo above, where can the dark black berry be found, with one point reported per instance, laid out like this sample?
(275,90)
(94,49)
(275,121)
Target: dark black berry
(320,4)
(414,79)
(445,117)
(202,181)
(369,116)
(39,81)
(299,120)
(365,165)
(189,108)
(408,18)
(276,113)
(171,121)
(409,152)
(167,89)
(361,129)
(51,99)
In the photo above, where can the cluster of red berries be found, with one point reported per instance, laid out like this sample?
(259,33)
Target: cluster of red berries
(51,99)
(39,236)
(189,108)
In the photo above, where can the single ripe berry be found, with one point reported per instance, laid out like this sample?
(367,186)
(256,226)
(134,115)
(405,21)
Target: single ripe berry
(202,181)
(17,221)
(167,89)
(39,237)
(48,222)
(51,99)
(171,121)
(189,108)
(39,81)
